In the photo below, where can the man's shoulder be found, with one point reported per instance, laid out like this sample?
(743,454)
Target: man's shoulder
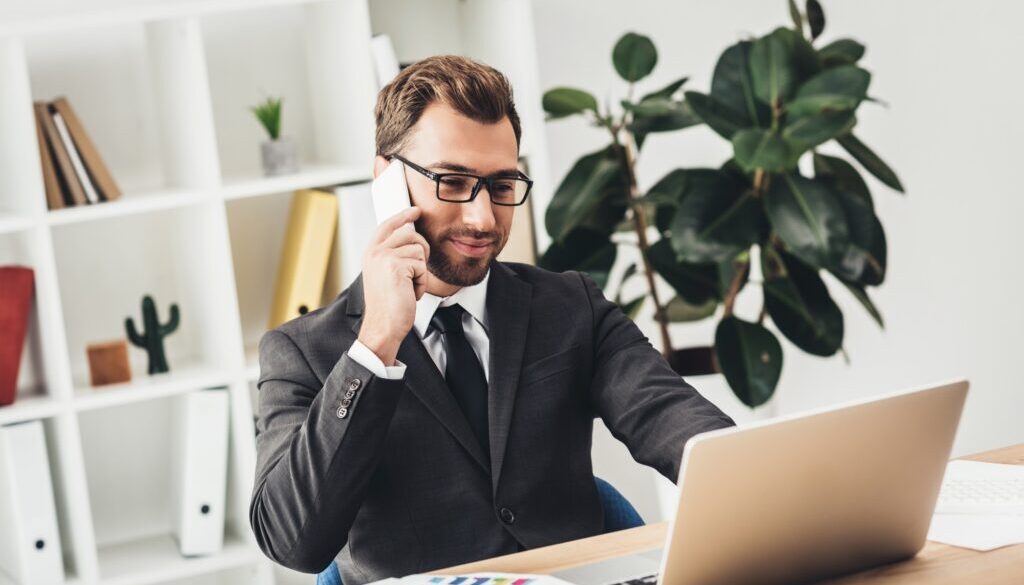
(332,319)
(546,280)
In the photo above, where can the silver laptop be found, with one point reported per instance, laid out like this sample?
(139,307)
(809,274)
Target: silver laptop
(802,497)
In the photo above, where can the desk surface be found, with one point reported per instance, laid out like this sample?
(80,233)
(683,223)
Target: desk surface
(936,563)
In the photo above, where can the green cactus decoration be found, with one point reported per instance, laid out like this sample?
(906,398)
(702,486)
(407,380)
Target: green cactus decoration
(152,340)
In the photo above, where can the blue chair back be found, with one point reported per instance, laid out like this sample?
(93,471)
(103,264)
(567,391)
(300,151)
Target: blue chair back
(619,514)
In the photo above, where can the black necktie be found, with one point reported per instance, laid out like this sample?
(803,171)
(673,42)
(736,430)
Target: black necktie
(463,371)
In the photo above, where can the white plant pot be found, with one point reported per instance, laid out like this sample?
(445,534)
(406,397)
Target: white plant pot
(280,157)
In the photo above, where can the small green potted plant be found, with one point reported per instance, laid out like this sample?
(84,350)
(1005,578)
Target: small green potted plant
(280,154)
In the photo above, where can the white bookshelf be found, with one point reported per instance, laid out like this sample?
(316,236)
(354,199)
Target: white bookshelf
(164,89)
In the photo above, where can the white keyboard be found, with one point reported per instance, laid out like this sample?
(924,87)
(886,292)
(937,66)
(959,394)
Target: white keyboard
(970,487)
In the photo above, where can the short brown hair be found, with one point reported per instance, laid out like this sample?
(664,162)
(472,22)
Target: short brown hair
(477,91)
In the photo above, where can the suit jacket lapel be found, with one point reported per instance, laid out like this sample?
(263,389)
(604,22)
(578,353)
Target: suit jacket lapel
(508,314)
(425,381)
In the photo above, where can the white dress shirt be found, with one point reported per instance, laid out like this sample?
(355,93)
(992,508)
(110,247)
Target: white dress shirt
(474,322)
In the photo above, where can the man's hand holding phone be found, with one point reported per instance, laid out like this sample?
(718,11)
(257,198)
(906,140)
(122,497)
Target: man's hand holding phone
(394,278)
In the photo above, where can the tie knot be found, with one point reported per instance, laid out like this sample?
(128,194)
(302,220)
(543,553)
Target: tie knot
(448,319)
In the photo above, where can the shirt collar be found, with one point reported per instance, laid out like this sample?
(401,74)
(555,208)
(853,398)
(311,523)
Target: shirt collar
(472,298)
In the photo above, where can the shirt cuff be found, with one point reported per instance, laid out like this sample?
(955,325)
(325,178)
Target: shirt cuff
(365,357)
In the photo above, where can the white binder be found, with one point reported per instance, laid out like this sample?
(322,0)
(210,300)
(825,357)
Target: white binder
(199,462)
(30,549)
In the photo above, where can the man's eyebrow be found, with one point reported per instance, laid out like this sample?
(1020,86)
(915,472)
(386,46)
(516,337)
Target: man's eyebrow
(457,168)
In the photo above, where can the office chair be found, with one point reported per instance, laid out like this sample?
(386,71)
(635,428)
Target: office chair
(619,514)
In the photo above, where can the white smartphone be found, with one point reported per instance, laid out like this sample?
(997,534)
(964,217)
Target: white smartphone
(389,191)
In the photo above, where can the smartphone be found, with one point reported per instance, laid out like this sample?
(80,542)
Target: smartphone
(389,191)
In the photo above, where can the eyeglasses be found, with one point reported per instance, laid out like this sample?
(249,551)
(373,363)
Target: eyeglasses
(464,187)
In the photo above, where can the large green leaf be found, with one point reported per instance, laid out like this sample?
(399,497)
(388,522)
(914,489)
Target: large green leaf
(678,310)
(634,56)
(732,86)
(799,304)
(844,175)
(659,114)
(861,295)
(718,116)
(666,92)
(815,18)
(566,101)
(779,62)
(716,219)
(841,52)
(796,17)
(870,161)
(750,357)
(804,133)
(665,195)
(582,249)
(808,217)
(756,148)
(585,187)
(697,283)
(838,88)
(864,260)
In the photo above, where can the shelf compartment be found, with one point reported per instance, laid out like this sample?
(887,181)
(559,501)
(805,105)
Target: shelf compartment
(317,58)
(140,91)
(105,267)
(127,452)
(41,378)
(155,559)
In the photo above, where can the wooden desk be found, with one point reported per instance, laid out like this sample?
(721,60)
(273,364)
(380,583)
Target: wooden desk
(935,564)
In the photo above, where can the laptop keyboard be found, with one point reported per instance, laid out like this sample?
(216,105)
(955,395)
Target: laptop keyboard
(646,580)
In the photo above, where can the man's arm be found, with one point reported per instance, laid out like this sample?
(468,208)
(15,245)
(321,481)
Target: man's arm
(317,446)
(644,403)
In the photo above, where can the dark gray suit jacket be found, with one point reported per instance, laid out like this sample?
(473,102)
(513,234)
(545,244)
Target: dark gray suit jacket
(387,474)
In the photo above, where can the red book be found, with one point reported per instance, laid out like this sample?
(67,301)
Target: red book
(16,291)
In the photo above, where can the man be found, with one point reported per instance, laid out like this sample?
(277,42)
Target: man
(440,410)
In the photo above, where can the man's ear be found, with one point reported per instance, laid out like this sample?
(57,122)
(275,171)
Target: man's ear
(379,164)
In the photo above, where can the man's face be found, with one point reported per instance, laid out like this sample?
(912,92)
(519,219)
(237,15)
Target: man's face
(464,238)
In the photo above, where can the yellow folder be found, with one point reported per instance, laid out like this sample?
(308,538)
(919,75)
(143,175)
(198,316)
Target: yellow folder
(312,221)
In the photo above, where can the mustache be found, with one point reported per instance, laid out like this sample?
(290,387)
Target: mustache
(493,237)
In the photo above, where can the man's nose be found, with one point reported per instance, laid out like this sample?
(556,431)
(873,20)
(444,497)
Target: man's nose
(479,212)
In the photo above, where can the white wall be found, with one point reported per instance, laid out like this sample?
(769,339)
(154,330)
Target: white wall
(951,76)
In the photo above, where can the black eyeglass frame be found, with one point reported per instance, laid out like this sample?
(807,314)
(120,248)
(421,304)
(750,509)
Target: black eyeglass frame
(436,177)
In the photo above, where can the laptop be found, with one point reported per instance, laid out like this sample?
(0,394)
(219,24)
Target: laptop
(802,497)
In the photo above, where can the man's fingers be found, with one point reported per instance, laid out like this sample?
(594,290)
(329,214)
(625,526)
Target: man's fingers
(411,251)
(389,225)
(406,236)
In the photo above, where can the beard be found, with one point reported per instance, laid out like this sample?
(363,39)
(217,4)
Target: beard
(456,269)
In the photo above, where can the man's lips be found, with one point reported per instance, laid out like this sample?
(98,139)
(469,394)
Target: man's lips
(472,247)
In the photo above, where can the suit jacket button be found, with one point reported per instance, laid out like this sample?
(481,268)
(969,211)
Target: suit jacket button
(350,394)
(342,412)
(354,384)
(506,516)
(346,402)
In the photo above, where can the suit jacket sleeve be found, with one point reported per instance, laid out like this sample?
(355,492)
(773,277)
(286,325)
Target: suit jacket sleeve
(314,455)
(644,403)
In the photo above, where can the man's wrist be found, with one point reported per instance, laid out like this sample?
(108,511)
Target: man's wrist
(385,349)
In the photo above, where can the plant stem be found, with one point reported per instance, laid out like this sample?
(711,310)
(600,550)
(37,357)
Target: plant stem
(640,224)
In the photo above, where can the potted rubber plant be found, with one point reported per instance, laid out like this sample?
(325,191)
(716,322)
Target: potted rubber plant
(777,99)
(279,154)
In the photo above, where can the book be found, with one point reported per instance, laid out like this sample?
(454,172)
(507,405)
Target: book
(74,193)
(16,291)
(76,161)
(54,193)
(312,220)
(90,155)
